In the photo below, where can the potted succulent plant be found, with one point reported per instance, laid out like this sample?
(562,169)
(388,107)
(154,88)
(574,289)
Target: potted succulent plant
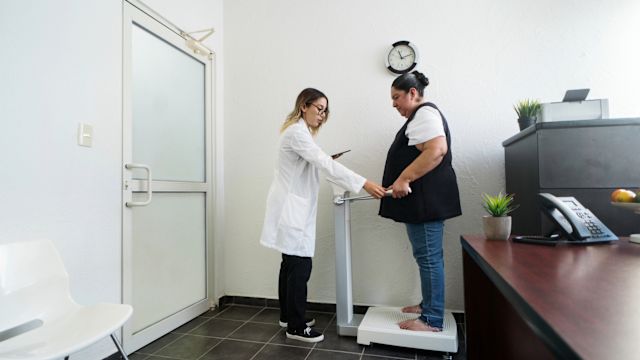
(497,225)
(527,111)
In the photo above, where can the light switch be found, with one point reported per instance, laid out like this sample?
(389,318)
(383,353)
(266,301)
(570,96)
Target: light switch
(85,135)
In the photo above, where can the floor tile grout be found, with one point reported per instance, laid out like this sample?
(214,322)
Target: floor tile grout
(265,344)
(169,343)
(252,320)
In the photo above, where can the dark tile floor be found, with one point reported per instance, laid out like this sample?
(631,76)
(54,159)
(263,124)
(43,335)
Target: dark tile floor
(252,333)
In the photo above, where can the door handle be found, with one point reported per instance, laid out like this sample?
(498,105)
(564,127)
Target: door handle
(149,194)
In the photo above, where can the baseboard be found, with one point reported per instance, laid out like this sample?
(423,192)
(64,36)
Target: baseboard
(311,306)
(274,303)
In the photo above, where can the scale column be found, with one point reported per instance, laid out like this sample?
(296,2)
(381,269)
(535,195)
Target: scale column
(344,286)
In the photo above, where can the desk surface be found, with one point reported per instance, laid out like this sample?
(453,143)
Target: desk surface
(580,299)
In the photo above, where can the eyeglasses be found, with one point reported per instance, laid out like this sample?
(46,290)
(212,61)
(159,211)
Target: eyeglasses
(321,111)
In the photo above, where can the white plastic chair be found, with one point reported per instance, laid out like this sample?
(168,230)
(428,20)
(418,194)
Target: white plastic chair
(38,318)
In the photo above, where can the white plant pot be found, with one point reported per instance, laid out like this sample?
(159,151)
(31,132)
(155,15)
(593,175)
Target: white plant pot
(496,228)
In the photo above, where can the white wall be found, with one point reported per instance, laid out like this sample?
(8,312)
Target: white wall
(481,57)
(60,65)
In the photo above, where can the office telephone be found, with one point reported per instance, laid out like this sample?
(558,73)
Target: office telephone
(576,223)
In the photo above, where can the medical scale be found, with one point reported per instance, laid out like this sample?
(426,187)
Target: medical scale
(379,324)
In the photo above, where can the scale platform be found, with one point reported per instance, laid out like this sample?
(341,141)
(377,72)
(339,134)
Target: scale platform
(380,325)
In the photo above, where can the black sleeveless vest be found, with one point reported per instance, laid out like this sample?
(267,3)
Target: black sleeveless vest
(434,196)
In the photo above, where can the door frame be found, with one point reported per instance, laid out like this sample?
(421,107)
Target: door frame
(136,12)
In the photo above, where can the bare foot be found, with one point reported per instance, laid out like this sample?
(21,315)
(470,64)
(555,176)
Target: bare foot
(414,309)
(417,325)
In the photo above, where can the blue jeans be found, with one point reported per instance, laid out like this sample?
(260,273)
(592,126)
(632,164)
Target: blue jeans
(426,241)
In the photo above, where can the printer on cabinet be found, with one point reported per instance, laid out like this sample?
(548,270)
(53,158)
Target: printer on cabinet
(574,106)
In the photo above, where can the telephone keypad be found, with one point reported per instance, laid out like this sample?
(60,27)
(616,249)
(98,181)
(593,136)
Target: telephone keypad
(593,227)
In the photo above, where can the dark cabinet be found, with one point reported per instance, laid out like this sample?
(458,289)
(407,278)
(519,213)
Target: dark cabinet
(586,159)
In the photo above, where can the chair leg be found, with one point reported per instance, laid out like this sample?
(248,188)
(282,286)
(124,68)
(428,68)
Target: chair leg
(115,341)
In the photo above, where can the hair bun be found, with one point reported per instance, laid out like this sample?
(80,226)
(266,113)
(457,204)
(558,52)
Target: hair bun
(420,76)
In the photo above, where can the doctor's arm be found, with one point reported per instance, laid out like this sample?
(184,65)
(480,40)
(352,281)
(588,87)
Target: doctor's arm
(432,153)
(304,146)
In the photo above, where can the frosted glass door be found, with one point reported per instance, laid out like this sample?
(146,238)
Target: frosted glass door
(166,111)
(169,263)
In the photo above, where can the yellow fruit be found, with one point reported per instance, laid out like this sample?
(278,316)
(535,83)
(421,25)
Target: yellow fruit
(624,196)
(614,195)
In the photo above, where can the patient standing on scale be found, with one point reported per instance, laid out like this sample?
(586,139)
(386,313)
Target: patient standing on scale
(292,204)
(425,192)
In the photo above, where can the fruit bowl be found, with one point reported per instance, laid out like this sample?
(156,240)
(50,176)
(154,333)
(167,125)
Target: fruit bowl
(635,207)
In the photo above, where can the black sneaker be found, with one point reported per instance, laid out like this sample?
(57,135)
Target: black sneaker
(308,322)
(306,335)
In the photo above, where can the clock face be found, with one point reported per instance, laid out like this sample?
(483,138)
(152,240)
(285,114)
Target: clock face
(402,57)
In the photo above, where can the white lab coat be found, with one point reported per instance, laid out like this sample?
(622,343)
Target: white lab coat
(292,202)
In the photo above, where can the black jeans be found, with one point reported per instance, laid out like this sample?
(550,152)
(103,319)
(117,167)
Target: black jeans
(292,290)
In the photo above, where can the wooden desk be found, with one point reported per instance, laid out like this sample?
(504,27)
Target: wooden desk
(527,301)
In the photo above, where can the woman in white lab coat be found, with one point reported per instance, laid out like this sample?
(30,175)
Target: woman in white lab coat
(292,202)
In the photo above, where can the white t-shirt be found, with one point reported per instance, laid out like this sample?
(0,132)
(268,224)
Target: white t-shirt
(426,125)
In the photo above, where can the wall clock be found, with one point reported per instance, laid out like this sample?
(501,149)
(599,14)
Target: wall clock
(402,57)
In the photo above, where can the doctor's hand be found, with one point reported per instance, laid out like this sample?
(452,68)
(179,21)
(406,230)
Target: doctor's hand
(374,189)
(400,189)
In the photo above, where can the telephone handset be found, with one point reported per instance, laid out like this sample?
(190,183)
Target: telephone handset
(576,222)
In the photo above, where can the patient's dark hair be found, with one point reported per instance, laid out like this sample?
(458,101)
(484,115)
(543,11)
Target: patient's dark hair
(414,79)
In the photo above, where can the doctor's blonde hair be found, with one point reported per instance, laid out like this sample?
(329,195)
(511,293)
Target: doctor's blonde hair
(306,98)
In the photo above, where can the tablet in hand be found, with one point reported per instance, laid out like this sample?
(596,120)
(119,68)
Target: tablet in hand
(337,155)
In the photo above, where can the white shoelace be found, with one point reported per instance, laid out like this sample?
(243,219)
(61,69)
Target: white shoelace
(307,331)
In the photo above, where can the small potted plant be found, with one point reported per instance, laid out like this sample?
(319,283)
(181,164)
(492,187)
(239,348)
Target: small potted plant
(497,225)
(527,111)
